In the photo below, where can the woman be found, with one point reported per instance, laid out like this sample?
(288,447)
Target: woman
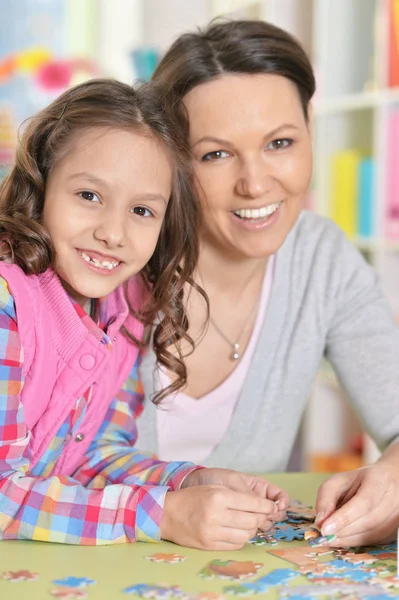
(285,286)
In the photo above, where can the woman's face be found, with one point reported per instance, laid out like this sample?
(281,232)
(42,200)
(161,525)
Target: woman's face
(252,158)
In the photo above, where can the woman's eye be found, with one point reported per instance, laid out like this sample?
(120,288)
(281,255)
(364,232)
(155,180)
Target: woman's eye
(90,196)
(142,211)
(280,144)
(217,155)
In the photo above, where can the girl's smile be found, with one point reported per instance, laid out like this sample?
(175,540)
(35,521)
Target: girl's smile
(100,263)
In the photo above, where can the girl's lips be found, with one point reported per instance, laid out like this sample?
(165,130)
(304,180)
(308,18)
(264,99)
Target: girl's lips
(257,224)
(99,256)
(97,269)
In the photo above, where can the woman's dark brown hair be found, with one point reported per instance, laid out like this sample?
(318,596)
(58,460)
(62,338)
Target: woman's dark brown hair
(240,47)
(47,138)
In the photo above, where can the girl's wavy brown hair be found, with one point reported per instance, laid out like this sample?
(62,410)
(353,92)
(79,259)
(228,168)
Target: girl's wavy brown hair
(46,139)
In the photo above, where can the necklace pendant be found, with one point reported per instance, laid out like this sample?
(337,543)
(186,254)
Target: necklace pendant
(236,354)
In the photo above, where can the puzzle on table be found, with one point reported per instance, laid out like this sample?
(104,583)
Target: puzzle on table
(312,570)
(347,574)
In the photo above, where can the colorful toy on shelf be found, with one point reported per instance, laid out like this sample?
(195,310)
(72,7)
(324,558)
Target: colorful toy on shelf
(49,73)
(393,44)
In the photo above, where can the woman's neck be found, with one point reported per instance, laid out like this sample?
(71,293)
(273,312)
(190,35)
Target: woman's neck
(217,270)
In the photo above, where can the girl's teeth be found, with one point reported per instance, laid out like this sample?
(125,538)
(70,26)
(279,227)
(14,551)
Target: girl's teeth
(256,213)
(103,265)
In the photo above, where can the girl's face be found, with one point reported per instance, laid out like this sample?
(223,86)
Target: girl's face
(252,158)
(104,206)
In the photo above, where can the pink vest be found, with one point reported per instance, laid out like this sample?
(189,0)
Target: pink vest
(62,359)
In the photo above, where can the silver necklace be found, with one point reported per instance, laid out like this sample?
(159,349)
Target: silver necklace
(236,354)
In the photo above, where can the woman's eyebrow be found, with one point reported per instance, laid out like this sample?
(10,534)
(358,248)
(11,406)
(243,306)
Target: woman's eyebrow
(217,140)
(208,138)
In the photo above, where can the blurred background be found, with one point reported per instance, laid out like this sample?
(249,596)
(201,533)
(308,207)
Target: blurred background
(48,45)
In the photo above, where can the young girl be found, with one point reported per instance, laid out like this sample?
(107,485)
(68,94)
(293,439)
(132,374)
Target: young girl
(99,193)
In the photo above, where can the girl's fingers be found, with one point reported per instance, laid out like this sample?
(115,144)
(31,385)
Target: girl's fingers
(236,536)
(264,523)
(279,516)
(278,495)
(247,521)
(249,503)
(265,489)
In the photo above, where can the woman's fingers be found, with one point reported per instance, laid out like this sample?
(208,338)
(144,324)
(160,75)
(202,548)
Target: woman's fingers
(356,511)
(369,537)
(331,493)
(368,507)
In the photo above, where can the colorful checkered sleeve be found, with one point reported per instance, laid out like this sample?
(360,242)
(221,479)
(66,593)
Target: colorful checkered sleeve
(61,508)
(113,459)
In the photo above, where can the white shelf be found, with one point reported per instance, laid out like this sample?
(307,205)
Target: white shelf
(373,245)
(357,101)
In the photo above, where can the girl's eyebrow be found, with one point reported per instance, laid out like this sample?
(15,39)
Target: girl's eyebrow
(217,140)
(151,198)
(89,177)
(98,181)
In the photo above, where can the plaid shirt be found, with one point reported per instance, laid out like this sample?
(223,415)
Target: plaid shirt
(115,496)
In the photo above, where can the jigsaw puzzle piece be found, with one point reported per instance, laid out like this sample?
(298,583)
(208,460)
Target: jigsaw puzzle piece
(261,585)
(74,582)
(289,534)
(230,569)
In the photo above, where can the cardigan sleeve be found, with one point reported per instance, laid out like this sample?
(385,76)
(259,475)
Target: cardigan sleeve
(60,508)
(363,344)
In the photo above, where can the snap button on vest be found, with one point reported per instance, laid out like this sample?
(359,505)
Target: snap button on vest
(87,361)
(79,437)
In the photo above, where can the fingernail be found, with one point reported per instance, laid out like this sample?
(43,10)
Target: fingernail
(320,515)
(330,538)
(329,529)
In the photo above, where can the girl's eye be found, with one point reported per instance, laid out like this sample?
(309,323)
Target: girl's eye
(280,144)
(142,211)
(90,196)
(217,155)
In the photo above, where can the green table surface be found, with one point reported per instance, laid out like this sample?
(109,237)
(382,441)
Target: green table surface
(117,567)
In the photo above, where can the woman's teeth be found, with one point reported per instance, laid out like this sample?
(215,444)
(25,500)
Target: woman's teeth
(257,213)
(106,264)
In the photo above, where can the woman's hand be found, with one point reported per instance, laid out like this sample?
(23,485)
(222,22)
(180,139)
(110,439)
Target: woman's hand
(214,517)
(244,483)
(360,507)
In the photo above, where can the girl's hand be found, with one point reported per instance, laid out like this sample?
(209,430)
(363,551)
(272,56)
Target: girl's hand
(245,484)
(214,517)
(360,507)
